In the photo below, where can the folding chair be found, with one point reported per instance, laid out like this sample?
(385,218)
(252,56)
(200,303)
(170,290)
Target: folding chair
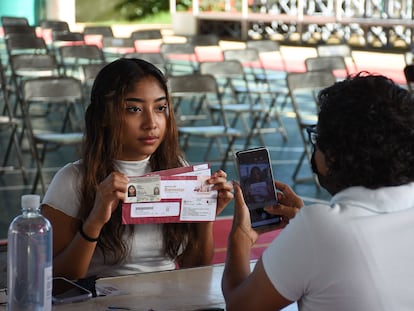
(179,58)
(72,57)
(303,87)
(14,20)
(95,34)
(185,88)
(63,38)
(48,26)
(271,54)
(26,66)
(335,64)
(273,63)
(206,47)
(147,40)
(61,95)
(114,48)
(10,125)
(343,50)
(25,44)
(89,72)
(261,106)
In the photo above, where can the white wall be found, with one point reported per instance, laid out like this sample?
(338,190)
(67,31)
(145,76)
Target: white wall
(61,10)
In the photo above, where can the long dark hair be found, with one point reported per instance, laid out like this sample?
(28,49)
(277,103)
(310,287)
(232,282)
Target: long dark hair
(103,123)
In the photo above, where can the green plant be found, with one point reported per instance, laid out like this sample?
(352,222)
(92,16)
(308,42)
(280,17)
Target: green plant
(136,9)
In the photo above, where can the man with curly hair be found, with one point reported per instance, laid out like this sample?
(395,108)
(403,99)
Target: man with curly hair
(355,253)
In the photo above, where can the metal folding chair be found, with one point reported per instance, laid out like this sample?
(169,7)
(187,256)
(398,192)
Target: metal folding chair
(204,87)
(72,57)
(147,40)
(9,126)
(335,64)
(343,50)
(303,88)
(62,95)
(114,48)
(179,58)
(255,106)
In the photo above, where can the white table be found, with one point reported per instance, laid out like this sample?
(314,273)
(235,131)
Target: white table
(178,290)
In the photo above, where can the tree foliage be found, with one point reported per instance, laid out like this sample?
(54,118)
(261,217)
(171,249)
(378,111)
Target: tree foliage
(135,9)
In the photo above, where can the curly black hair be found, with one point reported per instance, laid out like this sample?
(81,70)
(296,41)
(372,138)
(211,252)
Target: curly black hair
(366,132)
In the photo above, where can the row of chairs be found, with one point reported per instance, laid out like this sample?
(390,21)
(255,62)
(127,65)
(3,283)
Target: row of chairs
(247,100)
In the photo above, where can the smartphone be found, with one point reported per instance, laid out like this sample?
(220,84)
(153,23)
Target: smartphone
(256,181)
(66,291)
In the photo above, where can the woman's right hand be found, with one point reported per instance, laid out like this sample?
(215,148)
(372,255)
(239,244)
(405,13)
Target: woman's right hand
(108,193)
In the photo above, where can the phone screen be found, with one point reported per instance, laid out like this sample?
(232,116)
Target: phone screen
(65,291)
(256,181)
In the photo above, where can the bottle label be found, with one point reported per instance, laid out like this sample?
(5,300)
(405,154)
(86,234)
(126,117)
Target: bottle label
(47,303)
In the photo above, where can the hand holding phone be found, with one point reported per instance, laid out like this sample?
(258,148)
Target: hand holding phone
(256,181)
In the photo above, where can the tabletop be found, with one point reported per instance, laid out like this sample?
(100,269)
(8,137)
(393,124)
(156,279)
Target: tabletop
(178,290)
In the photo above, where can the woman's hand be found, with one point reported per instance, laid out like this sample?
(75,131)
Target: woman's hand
(289,203)
(241,217)
(112,189)
(224,189)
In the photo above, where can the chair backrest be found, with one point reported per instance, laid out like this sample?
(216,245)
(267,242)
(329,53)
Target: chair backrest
(335,64)
(409,76)
(343,50)
(52,89)
(54,25)
(67,36)
(228,74)
(108,42)
(167,49)
(199,90)
(146,34)
(204,39)
(224,69)
(309,83)
(78,54)
(246,56)
(34,65)
(18,29)
(178,52)
(264,45)
(104,31)
(270,52)
(192,84)
(14,20)
(25,43)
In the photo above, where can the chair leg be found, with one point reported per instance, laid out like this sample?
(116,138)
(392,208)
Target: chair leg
(39,173)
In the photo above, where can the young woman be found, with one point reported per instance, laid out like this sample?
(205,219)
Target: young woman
(130,131)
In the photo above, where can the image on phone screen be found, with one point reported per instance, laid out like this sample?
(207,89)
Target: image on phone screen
(256,181)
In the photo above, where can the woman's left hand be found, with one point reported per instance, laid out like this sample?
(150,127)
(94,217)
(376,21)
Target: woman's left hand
(224,189)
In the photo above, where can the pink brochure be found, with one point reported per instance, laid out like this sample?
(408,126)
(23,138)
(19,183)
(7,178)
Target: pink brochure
(174,195)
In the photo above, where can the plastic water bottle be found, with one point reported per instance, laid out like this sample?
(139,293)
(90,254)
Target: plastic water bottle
(29,259)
